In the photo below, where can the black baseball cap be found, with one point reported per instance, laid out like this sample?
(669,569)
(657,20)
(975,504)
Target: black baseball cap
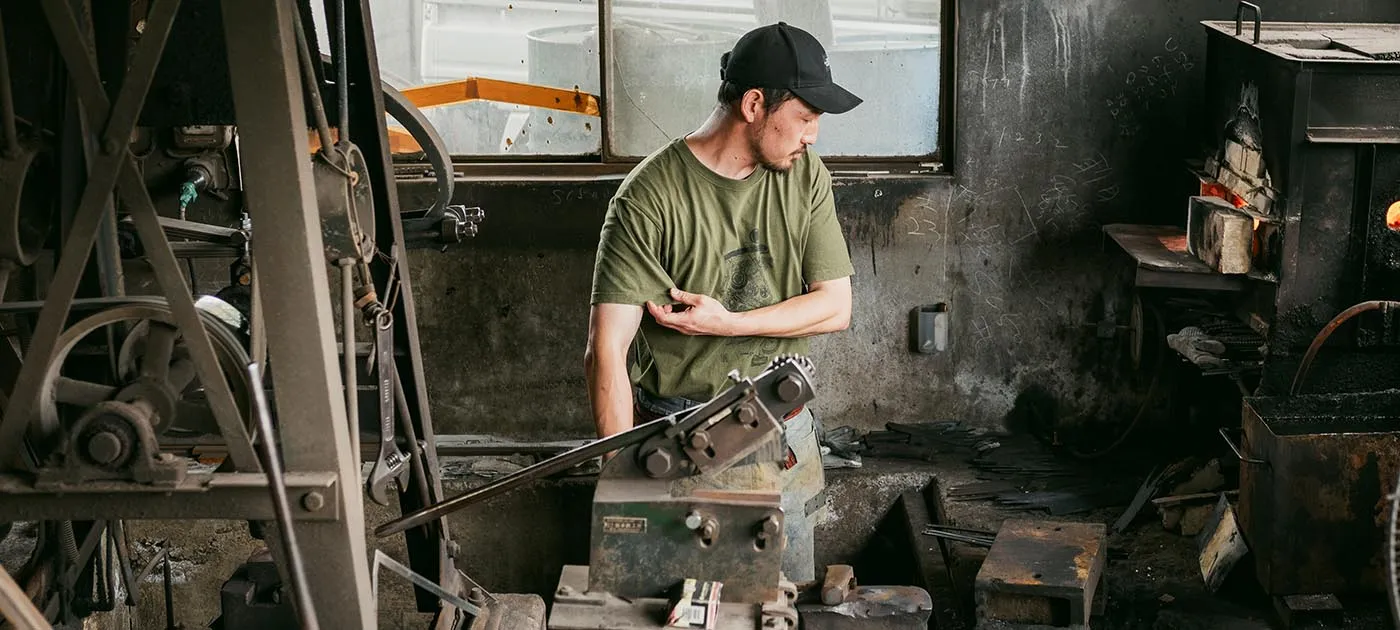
(783,56)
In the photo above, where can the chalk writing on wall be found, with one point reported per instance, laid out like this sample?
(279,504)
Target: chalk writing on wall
(1147,86)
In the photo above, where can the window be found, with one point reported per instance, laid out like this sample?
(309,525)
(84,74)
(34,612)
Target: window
(663,70)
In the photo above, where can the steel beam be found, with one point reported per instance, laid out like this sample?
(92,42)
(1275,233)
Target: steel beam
(242,496)
(287,248)
(427,545)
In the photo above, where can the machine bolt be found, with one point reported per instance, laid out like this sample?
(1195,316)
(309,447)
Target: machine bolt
(104,448)
(658,462)
(748,417)
(453,548)
(789,388)
(709,529)
(700,440)
(565,591)
(313,501)
(770,526)
(693,520)
(478,596)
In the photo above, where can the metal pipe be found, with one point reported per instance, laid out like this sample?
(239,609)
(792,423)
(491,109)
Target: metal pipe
(342,74)
(348,358)
(7,99)
(277,483)
(1331,327)
(308,81)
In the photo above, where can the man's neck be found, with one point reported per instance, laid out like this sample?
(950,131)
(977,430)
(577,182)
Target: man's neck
(720,144)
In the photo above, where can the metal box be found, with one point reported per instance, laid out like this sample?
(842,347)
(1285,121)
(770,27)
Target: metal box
(1314,488)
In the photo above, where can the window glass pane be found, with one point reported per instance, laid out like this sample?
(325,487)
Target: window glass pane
(551,43)
(665,56)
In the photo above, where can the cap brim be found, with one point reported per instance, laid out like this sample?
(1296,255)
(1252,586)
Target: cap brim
(829,98)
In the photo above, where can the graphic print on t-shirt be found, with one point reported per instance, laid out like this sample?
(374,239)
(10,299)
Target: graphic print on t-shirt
(747,285)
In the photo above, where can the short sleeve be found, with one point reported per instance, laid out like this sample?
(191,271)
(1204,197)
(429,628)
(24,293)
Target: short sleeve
(628,267)
(825,256)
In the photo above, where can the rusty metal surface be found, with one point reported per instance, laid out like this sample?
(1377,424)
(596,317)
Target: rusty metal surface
(837,585)
(1220,544)
(1314,512)
(1041,572)
(872,608)
(645,541)
(576,608)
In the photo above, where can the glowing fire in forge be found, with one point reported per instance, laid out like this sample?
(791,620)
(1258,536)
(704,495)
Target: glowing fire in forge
(1392,216)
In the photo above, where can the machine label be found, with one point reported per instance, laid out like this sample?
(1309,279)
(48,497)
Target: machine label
(624,525)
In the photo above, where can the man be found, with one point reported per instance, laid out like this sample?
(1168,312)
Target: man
(721,251)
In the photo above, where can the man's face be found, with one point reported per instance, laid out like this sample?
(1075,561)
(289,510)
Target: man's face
(779,139)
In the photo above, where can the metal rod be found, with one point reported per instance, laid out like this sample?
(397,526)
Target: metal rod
(558,463)
(7,99)
(342,75)
(16,607)
(257,326)
(348,358)
(123,545)
(169,596)
(296,568)
(308,79)
(415,450)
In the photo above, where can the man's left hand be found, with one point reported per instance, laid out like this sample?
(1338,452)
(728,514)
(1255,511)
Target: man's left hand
(695,314)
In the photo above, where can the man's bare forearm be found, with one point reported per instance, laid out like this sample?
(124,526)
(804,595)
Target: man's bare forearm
(804,315)
(609,391)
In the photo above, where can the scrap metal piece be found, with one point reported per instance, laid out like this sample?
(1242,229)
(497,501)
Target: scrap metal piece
(872,608)
(383,560)
(839,581)
(1042,572)
(575,607)
(1221,545)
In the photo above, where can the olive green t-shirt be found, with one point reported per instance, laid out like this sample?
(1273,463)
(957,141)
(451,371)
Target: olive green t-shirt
(748,243)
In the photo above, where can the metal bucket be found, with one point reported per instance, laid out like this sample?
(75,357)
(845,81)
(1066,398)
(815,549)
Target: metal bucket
(1315,478)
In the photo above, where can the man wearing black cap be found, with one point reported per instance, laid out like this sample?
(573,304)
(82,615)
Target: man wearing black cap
(727,241)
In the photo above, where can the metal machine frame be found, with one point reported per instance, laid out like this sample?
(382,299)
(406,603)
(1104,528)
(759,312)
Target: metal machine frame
(320,456)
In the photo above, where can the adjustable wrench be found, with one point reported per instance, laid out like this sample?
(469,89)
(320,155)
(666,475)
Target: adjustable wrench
(392,463)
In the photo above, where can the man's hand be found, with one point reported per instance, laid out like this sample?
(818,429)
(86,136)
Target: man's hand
(695,315)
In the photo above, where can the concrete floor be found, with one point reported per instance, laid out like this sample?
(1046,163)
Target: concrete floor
(520,541)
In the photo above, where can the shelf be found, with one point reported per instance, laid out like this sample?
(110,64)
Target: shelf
(1163,262)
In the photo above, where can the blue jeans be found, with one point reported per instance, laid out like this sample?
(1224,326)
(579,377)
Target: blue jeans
(800,486)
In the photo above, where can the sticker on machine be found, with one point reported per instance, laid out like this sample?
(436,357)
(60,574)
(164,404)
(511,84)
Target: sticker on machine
(624,525)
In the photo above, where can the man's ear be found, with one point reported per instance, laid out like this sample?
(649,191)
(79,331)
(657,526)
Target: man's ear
(751,106)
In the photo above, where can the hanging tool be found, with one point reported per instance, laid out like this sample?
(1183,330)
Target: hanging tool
(392,463)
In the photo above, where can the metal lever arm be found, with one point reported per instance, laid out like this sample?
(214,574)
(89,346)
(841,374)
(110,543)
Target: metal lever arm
(781,388)
(556,464)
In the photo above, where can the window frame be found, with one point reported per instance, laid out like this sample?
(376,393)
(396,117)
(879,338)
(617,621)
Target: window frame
(607,165)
